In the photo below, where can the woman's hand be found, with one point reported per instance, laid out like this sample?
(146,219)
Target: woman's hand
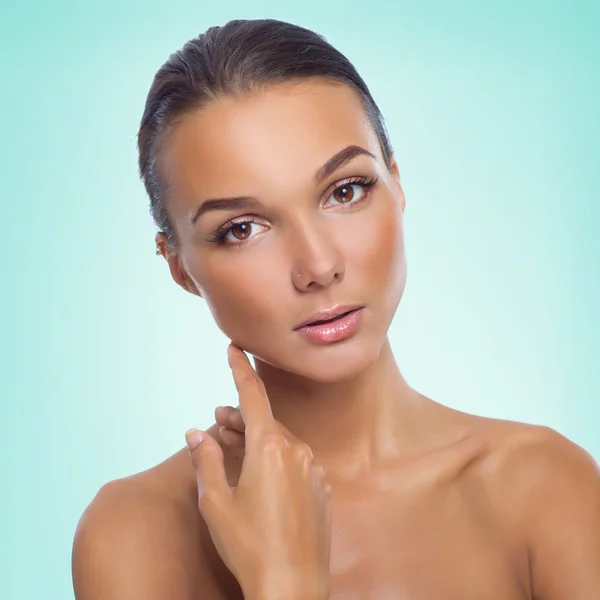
(273,531)
(232,427)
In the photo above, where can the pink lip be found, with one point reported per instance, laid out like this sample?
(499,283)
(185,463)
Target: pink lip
(327,315)
(339,329)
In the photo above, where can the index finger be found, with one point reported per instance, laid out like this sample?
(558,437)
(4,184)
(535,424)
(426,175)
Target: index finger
(254,402)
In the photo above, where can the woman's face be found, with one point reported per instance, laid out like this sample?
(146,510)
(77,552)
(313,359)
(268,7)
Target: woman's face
(297,240)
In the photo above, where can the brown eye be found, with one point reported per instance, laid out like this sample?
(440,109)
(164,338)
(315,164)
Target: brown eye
(236,233)
(241,231)
(351,191)
(344,193)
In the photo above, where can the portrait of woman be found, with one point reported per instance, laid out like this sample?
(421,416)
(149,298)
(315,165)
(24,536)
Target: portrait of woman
(279,202)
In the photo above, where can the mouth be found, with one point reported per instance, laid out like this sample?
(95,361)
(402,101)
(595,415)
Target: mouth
(333,326)
(328,316)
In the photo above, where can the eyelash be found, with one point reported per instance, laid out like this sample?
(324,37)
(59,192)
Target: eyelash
(366,183)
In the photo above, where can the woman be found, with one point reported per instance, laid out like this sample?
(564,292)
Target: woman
(278,200)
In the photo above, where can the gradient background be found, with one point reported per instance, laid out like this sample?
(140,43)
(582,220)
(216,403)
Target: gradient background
(493,110)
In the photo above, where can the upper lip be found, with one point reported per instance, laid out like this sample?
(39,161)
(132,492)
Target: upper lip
(326,315)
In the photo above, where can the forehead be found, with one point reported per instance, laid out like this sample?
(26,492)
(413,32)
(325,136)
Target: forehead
(278,136)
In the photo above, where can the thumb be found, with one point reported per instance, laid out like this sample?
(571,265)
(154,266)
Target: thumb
(207,458)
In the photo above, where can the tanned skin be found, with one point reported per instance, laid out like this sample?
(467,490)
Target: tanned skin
(428,502)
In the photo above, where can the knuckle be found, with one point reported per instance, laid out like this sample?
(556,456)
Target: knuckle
(319,471)
(236,420)
(208,501)
(274,442)
(303,452)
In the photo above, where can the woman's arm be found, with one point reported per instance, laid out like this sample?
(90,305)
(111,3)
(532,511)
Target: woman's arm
(129,545)
(132,543)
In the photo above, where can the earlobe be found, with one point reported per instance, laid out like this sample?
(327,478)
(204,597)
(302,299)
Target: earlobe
(160,239)
(396,175)
(178,272)
(394,168)
(180,276)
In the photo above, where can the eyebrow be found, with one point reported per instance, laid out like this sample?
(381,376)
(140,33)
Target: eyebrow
(238,202)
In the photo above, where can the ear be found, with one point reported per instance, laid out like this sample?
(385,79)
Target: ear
(395,171)
(173,258)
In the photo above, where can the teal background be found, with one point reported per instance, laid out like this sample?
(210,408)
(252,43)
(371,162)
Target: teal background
(493,112)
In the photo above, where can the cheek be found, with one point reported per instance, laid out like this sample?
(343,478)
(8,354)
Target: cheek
(241,298)
(378,251)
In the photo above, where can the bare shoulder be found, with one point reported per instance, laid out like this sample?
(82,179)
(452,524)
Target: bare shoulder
(143,537)
(521,464)
(529,461)
(546,490)
(522,461)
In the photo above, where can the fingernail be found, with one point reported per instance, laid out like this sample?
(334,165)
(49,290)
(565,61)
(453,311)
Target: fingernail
(193,437)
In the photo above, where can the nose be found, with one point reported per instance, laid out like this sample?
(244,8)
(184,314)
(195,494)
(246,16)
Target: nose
(317,262)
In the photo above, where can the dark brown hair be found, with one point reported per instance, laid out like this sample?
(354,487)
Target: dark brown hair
(240,56)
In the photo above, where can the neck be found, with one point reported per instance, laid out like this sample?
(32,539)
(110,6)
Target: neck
(350,425)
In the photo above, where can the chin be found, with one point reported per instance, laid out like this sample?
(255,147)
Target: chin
(331,363)
(323,363)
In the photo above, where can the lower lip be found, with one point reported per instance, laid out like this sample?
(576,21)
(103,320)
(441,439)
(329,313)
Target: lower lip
(334,331)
